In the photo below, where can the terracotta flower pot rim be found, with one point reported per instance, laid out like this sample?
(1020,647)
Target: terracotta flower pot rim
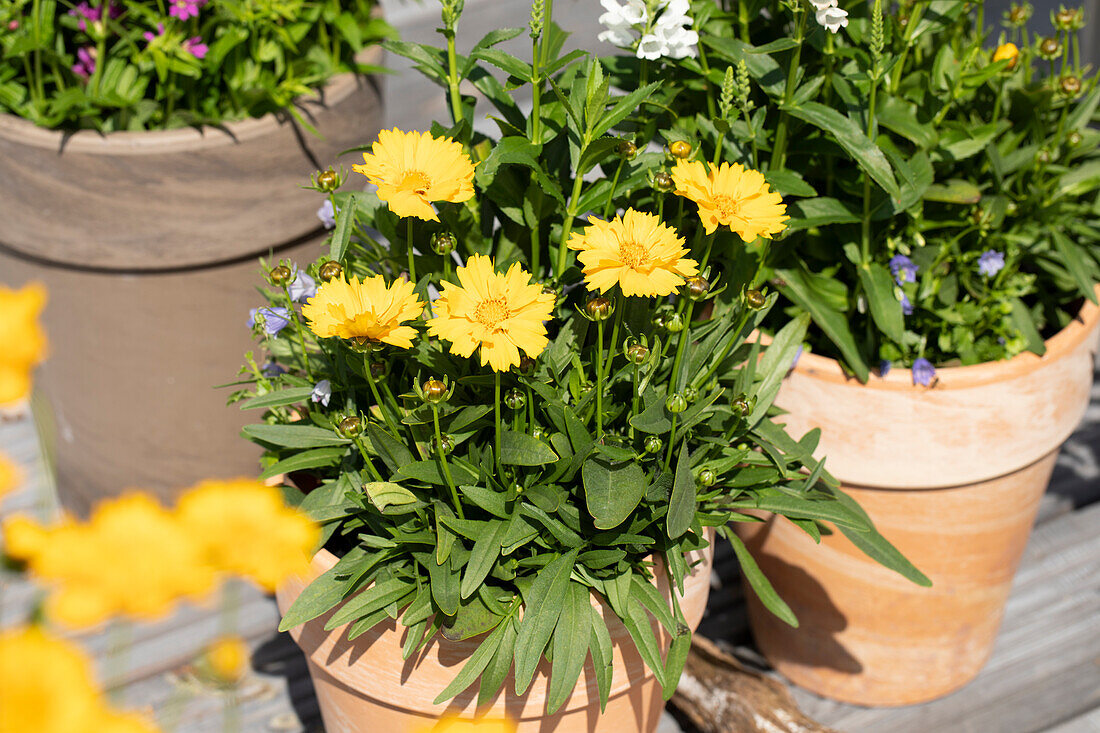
(146,142)
(964,377)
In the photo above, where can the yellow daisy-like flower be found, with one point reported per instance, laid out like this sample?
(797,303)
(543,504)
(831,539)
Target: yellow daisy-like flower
(636,251)
(364,311)
(454,724)
(47,686)
(413,169)
(246,529)
(22,340)
(10,476)
(227,659)
(131,559)
(733,196)
(501,314)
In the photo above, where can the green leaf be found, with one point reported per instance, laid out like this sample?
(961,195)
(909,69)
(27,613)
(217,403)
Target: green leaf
(319,597)
(571,637)
(278,398)
(878,285)
(392,451)
(852,139)
(446,586)
(954,191)
(483,557)
(874,545)
(825,510)
(599,645)
(345,225)
(373,599)
(1021,318)
(542,608)
(897,115)
(489,500)
(521,449)
(796,286)
(474,618)
(641,631)
(492,679)
(681,504)
(818,212)
(624,106)
(777,361)
(475,665)
(505,62)
(293,436)
(612,492)
(430,472)
(384,494)
(1075,264)
(315,458)
(759,582)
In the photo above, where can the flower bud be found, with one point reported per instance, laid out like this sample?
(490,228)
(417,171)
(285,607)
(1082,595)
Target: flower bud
(653,444)
(1073,139)
(1043,156)
(676,403)
(706,477)
(328,181)
(599,308)
(1064,19)
(1018,15)
(691,394)
(331,270)
(637,354)
(674,323)
(350,427)
(280,275)
(744,446)
(680,149)
(538,432)
(662,181)
(548,289)
(515,399)
(696,287)
(627,150)
(443,243)
(1007,52)
(1050,48)
(1070,85)
(445,445)
(434,391)
(379,369)
(740,405)
(526,365)
(755,299)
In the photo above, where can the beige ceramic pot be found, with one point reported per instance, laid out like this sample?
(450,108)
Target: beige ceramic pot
(364,686)
(147,242)
(952,475)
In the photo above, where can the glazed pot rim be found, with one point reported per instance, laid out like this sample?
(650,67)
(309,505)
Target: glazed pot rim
(827,369)
(156,142)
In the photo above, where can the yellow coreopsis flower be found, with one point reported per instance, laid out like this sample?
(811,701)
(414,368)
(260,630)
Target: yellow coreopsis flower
(413,169)
(131,559)
(47,686)
(733,196)
(22,340)
(1007,52)
(247,530)
(452,724)
(501,314)
(227,659)
(635,251)
(10,476)
(364,311)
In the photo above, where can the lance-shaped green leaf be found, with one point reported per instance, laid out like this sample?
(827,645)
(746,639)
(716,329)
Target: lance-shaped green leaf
(681,504)
(885,308)
(543,605)
(571,637)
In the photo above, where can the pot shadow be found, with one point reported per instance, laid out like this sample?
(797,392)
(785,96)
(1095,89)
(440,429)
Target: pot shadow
(279,656)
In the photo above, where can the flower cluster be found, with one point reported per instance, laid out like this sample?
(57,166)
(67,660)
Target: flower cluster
(22,340)
(829,16)
(664,33)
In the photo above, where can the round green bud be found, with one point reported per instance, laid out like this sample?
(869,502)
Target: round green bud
(627,150)
(662,181)
(331,270)
(637,354)
(526,365)
(706,477)
(434,391)
(1073,139)
(696,287)
(443,243)
(379,369)
(680,149)
(515,399)
(1050,48)
(653,444)
(676,403)
(740,405)
(328,181)
(445,445)
(350,427)
(1070,85)
(674,323)
(538,432)
(691,394)
(280,275)
(599,308)
(755,299)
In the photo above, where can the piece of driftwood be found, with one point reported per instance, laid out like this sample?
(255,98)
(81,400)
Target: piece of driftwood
(720,695)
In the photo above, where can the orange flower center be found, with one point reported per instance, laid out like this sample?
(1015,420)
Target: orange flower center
(490,313)
(727,205)
(633,254)
(416,181)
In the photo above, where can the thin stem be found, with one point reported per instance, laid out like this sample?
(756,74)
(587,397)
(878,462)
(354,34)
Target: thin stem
(570,216)
(298,329)
(779,150)
(496,417)
(611,348)
(671,441)
(382,408)
(452,78)
(599,380)
(358,440)
(725,352)
(743,20)
(442,455)
(614,185)
(711,111)
(536,92)
(633,400)
(409,245)
(681,347)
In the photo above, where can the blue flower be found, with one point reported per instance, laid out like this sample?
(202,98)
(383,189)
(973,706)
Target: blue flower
(884,368)
(327,214)
(903,269)
(923,372)
(906,305)
(273,318)
(303,288)
(991,262)
(272,369)
(322,392)
(797,356)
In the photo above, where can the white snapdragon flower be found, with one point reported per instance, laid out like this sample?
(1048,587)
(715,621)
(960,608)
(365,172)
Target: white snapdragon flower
(829,15)
(679,41)
(322,392)
(820,5)
(670,35)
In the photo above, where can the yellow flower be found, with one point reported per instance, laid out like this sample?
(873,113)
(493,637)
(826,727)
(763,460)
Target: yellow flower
(364,311)
(247,530)
(47,686)
(499,313)
(1007,52)
(413,169)
(452,724)
(635,251)
(131,559)
(732,196)
(227,659)
(10,476)
(22,341)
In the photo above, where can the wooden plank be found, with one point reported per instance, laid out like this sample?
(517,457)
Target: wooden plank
(1087,723)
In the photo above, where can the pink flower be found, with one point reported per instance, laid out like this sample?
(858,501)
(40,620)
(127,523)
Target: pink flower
(184,9)
(88,14)
(196,47)
(85,62)
(150,37)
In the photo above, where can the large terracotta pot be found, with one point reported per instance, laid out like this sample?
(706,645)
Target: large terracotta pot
(364,686)
(952,475)
(148,242)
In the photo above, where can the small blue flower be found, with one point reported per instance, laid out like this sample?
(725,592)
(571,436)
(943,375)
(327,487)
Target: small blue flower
(322,392)
(884,368)
(303,288)
(903,269)
(906,305)
(274,319)
(923,372)
(797,356)
(991,262)
(272,369)
(327,214)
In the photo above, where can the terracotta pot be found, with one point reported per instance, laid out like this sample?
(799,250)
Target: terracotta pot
(952,475)
(364,686)
(148,242)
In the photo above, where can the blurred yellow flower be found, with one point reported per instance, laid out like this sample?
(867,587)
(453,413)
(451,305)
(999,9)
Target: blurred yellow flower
(131,559)
(246,529)
(227,659)
(413,169)
(452,724)
(501,314)
(1007,52)
(23,537)
(10,476)
(47,686)
(733,196)
(22,340)
(364,311)
(635,251)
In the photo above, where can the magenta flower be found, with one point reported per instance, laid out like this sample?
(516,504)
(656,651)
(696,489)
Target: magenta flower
(150,36)
(185,9)
(88,14)
(85,62)
(923,372)
(196,47)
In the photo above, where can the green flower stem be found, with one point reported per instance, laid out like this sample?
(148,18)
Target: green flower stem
(707,247)
(358,440)
(725,352)
(599,380)
(570,216)
(496,417)
(536,91)
(536,238)
(614,185)
(711,111)
(298,329)
(865,229)
(452,77)
(633,401)
(681,347)
(382,407)
(37,84)
(779,150)
(547,17)
(743,21)
(612,347)
(444,464)
(914,21)
(409,245)
(671,441)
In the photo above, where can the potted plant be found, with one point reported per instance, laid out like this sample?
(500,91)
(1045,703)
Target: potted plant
(147,151)
(944,244)
(517,436)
